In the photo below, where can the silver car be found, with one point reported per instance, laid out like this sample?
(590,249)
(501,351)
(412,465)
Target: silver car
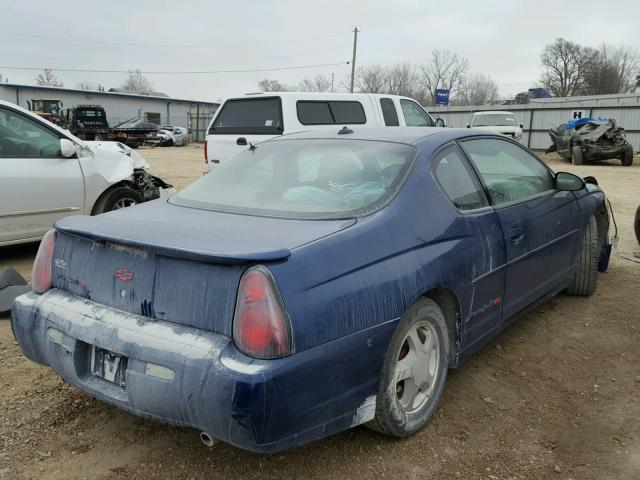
(47,173)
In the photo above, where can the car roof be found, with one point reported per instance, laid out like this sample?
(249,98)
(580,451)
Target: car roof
(335,95)
(406,135)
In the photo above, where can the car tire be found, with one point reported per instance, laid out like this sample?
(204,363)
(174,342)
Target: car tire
(403,407)
(577,157)
(627,155)
(117,198)
(636,224)
(583,282)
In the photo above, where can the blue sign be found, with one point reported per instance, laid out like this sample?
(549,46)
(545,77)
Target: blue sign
(442,96)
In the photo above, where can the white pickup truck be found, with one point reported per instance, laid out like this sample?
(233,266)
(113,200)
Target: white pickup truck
(254,118)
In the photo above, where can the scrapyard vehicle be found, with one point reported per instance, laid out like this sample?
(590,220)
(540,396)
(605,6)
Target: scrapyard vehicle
(256,117)
(591,139)
(314,282)
(88,122)
(46,174)
(135,133)
(169,136)
(505,123)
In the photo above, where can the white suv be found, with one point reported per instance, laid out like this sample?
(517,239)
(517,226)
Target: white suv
(249,119)
(499,122)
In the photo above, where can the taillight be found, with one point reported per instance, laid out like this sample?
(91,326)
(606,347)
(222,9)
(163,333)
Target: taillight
(41,273)
(121,135)
(261,328)
(205,151)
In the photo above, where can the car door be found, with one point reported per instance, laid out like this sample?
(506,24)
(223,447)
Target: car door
(37,184)
(484,251)
(540,224)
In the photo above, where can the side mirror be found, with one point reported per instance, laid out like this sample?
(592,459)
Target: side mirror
(441,122)
(521,126)
(568,182)
(67,148)
(468,125)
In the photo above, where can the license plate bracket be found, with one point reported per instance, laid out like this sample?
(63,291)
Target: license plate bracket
(108,365)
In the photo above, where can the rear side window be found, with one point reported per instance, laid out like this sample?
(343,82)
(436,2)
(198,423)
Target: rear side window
(509,172)
(389,112)
(458,181)
(250,115)
(330,113)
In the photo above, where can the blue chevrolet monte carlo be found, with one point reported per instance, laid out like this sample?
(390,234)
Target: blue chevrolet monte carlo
(312,283)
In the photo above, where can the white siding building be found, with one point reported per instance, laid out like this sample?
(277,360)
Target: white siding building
(120,107)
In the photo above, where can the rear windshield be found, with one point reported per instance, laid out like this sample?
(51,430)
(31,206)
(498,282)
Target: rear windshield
(495,120)
(249,116)
(303,178)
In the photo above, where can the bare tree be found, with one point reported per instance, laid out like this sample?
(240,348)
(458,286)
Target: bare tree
(268,85)
(136,82)
(371,79)
(401,79)
(613,70)
(86,85)
(445,70)
(319,83)
(477,90)
(565,67)
(47,78)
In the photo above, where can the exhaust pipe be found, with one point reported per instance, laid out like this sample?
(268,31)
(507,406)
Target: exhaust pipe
(207,439)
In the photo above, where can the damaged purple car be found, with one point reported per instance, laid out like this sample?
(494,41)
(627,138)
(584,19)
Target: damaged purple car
(315,282)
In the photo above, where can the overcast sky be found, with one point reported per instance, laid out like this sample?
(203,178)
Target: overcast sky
(500,38)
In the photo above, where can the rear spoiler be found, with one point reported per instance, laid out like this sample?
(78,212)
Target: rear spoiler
(209,255)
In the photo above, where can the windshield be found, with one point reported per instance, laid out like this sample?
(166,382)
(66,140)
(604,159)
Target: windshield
(495,119)
(304,178)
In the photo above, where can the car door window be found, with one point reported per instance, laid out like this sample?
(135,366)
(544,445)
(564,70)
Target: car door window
(509,172)
(414,114)
(458,181)
(22,137)
(389,112)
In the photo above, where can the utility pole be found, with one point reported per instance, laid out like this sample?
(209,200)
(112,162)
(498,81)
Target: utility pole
(332,77)
(353,59)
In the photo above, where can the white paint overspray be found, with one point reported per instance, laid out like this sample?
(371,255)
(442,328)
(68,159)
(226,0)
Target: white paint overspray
(365,412)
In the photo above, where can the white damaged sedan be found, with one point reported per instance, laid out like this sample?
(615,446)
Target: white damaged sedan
(47,173)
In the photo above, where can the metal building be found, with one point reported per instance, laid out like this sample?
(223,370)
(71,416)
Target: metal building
(120,107)
(543,113)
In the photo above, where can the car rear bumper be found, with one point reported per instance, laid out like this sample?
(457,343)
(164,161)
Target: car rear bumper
(190,377)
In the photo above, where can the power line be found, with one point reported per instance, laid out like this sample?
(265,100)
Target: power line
(206,44)
(272,69)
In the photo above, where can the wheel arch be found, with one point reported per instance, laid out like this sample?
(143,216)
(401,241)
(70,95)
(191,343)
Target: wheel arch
(448,302)
(106,191)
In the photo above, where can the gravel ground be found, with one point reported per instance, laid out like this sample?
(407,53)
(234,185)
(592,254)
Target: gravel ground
(555,396)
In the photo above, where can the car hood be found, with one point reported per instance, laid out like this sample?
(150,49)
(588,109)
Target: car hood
(115,150)
(172,230)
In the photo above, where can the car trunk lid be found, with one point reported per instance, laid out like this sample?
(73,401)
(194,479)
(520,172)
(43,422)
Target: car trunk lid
(184,268)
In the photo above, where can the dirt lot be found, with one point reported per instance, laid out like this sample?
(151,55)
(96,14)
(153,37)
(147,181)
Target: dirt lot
(556,396)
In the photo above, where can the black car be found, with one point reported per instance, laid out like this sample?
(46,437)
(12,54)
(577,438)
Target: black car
(135,133)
